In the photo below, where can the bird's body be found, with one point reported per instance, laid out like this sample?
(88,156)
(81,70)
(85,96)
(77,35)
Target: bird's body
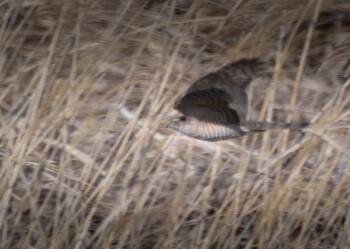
(215,106)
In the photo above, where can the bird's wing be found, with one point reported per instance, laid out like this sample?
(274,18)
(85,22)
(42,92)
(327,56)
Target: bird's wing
(230,90)
(209,105)
(233,79)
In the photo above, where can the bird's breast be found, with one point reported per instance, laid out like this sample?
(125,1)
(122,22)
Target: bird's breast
(215,132)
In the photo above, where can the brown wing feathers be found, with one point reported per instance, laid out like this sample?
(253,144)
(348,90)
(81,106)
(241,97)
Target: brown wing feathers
(214,102)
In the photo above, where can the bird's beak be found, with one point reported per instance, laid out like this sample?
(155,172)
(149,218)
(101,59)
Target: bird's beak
(169,125)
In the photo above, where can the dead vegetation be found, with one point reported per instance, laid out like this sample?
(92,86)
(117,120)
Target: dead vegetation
(86,162)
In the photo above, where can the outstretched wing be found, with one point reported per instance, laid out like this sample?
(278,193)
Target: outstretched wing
(209,105)
(233,79)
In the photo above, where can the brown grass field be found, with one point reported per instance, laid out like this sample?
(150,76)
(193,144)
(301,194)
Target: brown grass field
(86,87)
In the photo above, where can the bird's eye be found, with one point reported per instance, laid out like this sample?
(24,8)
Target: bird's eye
(182,119)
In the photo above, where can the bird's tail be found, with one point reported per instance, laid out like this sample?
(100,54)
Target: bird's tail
(252,126)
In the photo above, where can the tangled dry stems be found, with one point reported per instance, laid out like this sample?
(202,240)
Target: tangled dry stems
(86,161)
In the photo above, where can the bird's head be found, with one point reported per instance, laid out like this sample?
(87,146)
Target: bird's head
(183,124)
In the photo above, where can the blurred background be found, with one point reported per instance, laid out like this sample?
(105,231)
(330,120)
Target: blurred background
(87,86)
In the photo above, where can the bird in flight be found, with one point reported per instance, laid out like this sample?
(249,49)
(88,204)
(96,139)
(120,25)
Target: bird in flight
(215,107)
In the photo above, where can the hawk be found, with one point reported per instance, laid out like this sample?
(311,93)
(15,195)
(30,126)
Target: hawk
(215,107)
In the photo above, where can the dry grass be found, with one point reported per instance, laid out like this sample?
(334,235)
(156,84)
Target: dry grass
(86,87)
